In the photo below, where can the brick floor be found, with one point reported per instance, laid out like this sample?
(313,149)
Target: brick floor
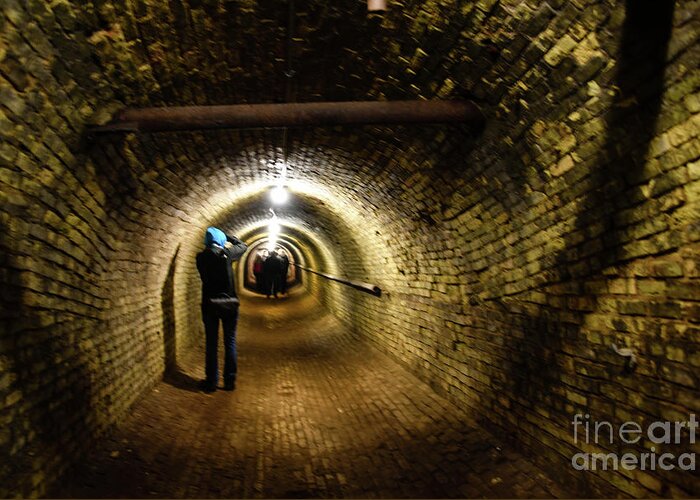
(315,414)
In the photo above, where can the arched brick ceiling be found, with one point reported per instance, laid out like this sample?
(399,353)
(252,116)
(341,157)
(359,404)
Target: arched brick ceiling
(212,52)
(350,186)
(209,52)
(306,218)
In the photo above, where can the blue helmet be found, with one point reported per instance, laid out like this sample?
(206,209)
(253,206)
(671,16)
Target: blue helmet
(214,236)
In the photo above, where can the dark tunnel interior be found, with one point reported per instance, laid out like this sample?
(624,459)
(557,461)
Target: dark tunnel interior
(536,261)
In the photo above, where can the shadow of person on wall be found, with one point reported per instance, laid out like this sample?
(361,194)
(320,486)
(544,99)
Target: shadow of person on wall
(632,116)
(168,310)
(631,125)
(599,236)
(542,375)
(172,375)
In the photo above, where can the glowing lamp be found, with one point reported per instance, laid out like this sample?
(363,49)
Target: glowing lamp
(273,228)
(279,195)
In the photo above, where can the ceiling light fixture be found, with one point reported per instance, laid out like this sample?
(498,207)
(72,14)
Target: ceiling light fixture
(273,230)
(376,5)
(279,195)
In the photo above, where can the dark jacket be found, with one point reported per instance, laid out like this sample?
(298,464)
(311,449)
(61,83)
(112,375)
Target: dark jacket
(272,265)
(214,266)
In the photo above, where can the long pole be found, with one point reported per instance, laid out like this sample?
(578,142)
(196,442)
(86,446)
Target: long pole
(358,285)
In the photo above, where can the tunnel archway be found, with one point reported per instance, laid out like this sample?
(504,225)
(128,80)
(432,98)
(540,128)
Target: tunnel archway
(252,279)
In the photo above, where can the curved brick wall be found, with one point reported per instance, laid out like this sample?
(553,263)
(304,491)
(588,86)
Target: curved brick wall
(510,260)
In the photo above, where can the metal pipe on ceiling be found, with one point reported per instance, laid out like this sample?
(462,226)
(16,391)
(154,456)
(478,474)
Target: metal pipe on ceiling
(293,115)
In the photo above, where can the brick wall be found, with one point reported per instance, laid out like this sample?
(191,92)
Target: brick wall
(510,260)
(571,225)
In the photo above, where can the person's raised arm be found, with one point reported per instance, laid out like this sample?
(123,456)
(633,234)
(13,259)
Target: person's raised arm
(236,249)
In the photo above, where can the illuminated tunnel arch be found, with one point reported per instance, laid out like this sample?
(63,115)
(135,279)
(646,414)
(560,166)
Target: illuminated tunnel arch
(247,278)
(334,230)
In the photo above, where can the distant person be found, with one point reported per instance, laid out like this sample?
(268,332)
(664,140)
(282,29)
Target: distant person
(264,281)
(271,269)
(258,271)
(284,270)
(219,302)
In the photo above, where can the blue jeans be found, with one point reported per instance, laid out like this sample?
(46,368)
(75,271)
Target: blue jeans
(229,320)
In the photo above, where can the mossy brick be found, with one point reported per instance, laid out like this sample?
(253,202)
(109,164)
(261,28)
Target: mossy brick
(560,50)
(692,102)
(669,181)
(667,269)
(11,99)
(634,307)
(675,353)
(666,309)
(691,312)
(677,373)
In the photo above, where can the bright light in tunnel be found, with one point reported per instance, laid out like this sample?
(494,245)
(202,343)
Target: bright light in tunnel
(279,195)
(273,230)
(376,5)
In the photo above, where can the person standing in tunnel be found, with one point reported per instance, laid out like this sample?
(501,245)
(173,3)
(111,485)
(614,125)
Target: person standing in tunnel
(271,269)
(258,272)
(284,269)
(219,303)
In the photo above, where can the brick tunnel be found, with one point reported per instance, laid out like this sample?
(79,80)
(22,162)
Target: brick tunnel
(537,330)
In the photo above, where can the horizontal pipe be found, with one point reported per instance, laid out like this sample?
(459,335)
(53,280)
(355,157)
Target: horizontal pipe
(358,285)
(293,115)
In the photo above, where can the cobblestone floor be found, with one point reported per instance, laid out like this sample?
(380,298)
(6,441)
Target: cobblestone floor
(315,414)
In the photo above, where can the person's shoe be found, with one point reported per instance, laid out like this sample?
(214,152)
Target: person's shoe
(207,387)
(230,386)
